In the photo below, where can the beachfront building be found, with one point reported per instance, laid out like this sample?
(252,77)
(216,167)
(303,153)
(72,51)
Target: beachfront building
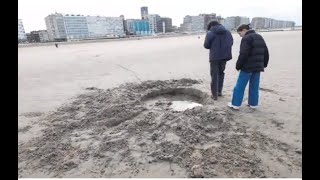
(192,24)
(22,37)
(268,23)
(153,22)
(55,27)
(164,25)
(233,22)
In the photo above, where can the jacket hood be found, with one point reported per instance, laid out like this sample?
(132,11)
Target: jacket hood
(218,29)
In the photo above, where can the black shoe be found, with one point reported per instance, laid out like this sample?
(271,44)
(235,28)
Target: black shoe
(214,97)
(220,94)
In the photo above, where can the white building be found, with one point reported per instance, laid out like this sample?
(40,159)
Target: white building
(208,18)
(243,20)
(76,26)
(268,23)
(105,26)
(55,27)
(193,24)
(97,26)
(21,33)
(232,23)
(70,27)
(114,26)
(229,23)
(153,20)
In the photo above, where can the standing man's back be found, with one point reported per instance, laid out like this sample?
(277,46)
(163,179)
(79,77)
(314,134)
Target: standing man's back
(219,40)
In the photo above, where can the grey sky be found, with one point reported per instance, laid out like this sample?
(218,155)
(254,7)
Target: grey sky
(33,12)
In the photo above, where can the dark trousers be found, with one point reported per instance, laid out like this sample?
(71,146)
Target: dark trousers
(217,76)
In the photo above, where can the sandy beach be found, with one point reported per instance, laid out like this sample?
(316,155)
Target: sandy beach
(103,109)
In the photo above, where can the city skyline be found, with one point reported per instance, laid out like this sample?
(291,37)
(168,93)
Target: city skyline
(290,10)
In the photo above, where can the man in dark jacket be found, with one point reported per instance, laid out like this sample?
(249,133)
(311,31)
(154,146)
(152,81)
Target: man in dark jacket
(219,40)
(253,58)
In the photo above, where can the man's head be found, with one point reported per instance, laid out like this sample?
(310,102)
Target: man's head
(242,29)
(211,24)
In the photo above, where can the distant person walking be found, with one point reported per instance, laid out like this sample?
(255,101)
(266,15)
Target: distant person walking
(56,44)
(219,40)
(253,58)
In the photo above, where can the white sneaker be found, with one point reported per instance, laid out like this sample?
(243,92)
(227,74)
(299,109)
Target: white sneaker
(232,106)
(252,107)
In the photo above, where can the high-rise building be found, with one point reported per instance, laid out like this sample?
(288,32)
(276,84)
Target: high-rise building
(241,20)
(168,24)
(192,24)
(105,26)
(141,27)
(76,26)
(153,22)
(123,23)
(115,26)
(129,26)
(81,27)
(22,37)
(164,25)
(268,23)
(55,27)
(137,27)
(144,12)
(229,23)
(259,23)
(97,26)
(232,23)
(208,18)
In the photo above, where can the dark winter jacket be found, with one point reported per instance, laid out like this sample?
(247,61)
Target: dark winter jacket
(219,41)
(254,54)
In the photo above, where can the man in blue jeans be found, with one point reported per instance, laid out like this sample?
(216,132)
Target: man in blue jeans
(219,40)
(253,58)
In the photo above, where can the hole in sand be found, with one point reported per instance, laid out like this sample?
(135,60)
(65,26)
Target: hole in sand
(178,99)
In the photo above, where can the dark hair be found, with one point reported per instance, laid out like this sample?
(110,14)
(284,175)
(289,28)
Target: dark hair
(243,26)
(211,24)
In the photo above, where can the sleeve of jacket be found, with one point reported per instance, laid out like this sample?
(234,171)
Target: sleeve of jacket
(208,40)
(266,56)
(245,47)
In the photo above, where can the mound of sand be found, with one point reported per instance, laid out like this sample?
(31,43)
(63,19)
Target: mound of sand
(132,131)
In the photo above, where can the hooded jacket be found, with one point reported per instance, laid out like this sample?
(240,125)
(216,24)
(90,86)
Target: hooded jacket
(219,40)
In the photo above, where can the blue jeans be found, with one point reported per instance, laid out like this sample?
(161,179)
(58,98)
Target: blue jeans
(238,90)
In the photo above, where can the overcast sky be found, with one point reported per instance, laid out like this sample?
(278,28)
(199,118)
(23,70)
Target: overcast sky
(33,12)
